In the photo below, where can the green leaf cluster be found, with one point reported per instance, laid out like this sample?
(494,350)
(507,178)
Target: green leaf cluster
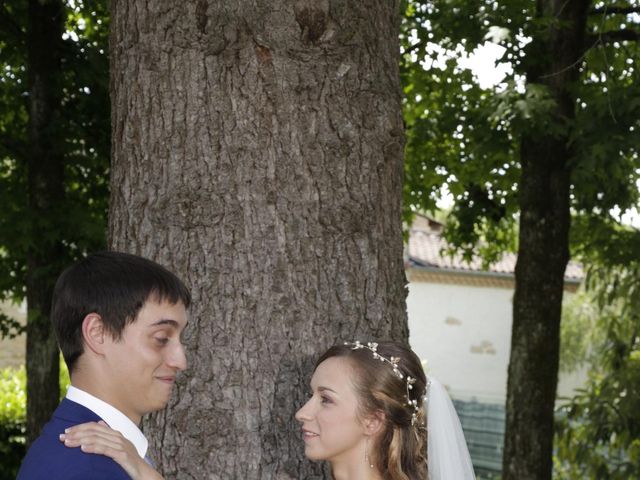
(13,408)
(13,397)
(598,431)
(465,139)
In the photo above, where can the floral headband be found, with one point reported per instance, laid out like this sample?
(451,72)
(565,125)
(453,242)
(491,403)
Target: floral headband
(394,362)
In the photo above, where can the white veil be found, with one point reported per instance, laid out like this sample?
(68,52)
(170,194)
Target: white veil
(448,456)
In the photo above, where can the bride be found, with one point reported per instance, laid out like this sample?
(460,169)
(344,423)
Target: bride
(372,414)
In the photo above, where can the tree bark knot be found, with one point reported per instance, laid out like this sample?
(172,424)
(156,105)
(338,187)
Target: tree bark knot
(313,19)
(263,54)
(201,16)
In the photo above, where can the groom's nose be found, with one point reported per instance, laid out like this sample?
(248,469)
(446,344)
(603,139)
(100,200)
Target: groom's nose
(178,358)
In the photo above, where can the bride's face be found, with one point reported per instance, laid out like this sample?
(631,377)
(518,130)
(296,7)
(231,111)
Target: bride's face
(330,425)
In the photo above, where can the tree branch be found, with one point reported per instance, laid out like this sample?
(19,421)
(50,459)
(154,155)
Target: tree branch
(614,11)
(413,47)
(612,36)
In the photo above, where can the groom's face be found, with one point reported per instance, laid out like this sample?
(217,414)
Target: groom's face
(145,361)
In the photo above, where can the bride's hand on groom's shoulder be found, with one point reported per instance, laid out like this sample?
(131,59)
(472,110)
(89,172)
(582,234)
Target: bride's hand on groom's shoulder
(98,438)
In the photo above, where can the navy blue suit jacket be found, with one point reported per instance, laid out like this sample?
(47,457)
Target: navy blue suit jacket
(49,459)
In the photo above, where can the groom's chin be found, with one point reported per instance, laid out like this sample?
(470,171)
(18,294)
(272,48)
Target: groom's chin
(159,402)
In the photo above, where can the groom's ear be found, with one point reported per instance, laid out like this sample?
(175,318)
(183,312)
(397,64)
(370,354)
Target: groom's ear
(93,332)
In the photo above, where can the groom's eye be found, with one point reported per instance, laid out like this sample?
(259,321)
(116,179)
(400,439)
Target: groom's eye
(162,340)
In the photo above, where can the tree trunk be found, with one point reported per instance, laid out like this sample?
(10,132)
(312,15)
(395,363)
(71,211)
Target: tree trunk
(543,252)
(257,152)
(45,192)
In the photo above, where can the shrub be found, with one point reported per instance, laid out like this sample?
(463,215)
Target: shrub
(13,406)
(13,413)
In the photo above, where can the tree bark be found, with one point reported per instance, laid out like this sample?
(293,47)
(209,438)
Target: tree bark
(543,250)
(257,152)
(45,192)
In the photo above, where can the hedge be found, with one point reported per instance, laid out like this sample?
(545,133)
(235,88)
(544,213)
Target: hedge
(13,411)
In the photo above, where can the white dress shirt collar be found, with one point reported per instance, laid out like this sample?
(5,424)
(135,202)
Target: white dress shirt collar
(112,416)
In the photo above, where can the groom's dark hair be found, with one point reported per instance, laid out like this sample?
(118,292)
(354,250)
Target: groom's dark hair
(114,285)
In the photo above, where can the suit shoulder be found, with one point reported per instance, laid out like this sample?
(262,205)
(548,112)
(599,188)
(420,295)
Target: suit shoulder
(98,468)
(49,459)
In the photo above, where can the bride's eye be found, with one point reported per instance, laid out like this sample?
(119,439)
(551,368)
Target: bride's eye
(326,400)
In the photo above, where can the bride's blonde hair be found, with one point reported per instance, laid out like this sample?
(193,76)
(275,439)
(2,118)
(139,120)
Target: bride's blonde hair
(401,450)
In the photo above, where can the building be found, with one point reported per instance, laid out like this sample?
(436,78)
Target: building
(12,350)
(460,322)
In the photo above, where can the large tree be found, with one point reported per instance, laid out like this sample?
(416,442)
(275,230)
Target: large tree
(257,152)
(45,191)
(558,137)
(53,161)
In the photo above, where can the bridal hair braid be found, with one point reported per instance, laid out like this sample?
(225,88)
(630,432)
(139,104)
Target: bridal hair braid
(401,448)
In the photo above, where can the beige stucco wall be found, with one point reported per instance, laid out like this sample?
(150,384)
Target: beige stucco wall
(12,350)
(464,330)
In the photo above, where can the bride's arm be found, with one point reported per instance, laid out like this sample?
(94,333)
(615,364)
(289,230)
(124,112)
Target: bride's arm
(98,438)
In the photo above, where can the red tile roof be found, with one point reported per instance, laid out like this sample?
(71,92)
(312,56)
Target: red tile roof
(427,248)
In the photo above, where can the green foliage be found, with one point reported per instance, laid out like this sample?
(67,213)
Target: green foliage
(13,399)
(9,327)
(13,406)
(599,429)
(13,410)
(581,335)
(598,434)
(78,223)
(465,140)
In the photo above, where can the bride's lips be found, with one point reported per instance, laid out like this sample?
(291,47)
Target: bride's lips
(168,380)
(308,434)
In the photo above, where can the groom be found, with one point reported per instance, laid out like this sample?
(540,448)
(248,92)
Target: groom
(118,319)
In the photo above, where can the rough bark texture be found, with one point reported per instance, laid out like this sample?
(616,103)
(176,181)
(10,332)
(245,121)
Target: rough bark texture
(543,253)
(45,184)
(257,152)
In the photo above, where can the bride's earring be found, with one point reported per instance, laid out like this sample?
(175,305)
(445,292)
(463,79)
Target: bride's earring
(367,459)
